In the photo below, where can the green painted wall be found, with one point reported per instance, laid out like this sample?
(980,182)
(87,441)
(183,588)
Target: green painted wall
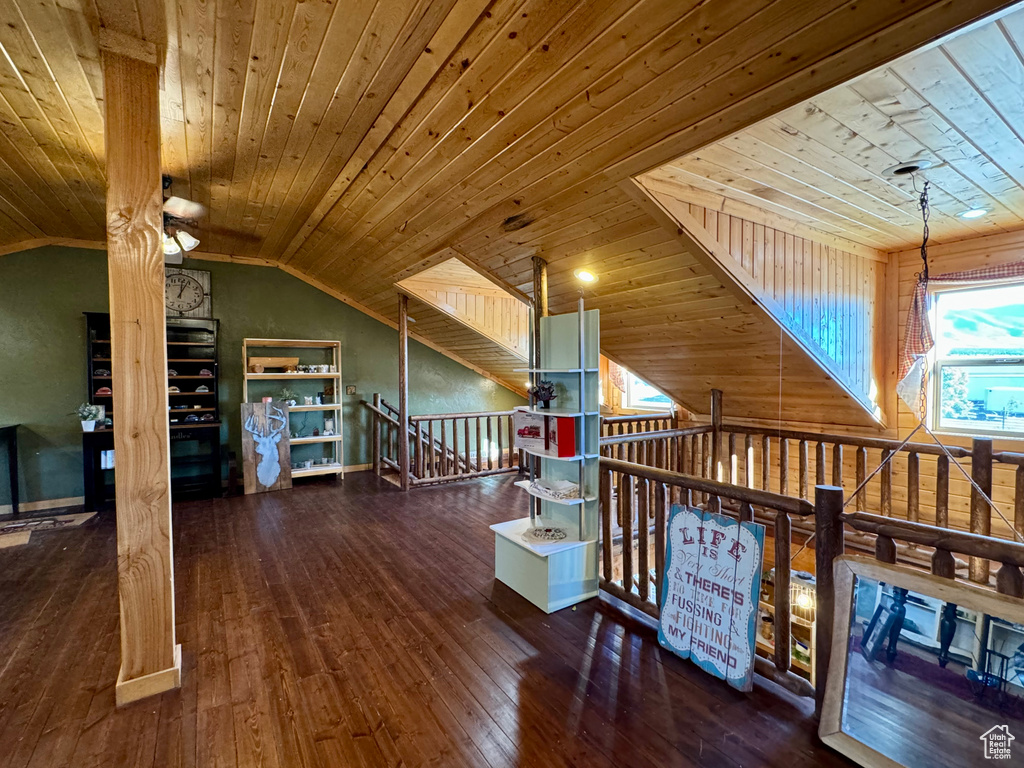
(43,293)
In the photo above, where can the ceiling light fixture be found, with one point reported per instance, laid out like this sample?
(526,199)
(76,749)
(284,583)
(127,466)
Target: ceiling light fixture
(584,275)
(908,168)
(171,246)
(973,213)
(185,240)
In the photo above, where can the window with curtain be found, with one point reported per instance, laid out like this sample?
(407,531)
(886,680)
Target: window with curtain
(978,378)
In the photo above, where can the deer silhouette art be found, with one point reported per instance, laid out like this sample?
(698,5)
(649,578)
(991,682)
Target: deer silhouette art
(269,468)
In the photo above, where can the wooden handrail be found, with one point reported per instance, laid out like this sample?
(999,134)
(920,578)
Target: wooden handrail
(379,412)
(654,435)
(864,442)
(1005,457)
(788,504)
(477,415)
(636,417)
(970,544)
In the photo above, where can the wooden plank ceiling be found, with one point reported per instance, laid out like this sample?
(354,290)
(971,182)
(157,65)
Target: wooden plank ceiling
(356,143)
(823,162)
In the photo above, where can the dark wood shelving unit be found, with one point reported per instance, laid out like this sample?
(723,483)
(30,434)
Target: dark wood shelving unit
(195,444)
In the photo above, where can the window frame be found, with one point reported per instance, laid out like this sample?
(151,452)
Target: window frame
(934,391)
(653,407)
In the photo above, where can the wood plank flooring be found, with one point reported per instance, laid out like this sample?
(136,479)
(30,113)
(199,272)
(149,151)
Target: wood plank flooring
(349,624)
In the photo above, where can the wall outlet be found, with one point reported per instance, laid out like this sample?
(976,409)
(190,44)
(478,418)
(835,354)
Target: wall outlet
(350,390)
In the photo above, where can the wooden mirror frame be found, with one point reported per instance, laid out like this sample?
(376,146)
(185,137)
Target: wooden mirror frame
(845,569)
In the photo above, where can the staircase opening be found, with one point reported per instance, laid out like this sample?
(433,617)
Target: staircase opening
(474,300)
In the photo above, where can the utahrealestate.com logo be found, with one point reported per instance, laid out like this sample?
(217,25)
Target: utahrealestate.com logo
(997,743)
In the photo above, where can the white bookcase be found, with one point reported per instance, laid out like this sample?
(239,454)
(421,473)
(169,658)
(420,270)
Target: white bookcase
(309,353)
(559,574)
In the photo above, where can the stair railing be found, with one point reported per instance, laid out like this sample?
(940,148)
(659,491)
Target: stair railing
(444,447)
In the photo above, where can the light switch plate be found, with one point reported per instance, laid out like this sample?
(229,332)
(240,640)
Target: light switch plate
(350,390)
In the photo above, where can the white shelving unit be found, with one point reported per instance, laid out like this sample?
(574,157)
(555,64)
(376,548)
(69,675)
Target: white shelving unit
(326,353)
(559,574)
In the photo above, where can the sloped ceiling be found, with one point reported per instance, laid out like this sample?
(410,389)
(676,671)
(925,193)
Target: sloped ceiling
(822,162)
(353,143)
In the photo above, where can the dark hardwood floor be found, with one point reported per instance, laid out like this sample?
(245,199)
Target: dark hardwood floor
(350,624)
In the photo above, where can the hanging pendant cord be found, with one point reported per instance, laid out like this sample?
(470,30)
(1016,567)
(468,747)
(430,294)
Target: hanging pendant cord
(926,213)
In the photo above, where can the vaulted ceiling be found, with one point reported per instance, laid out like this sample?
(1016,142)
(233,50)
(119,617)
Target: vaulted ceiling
(823,162)
(355,143)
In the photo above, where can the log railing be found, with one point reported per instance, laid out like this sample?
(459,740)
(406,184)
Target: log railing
(889,535)
(635,503)
(914,484)
(633,423)
(443,447)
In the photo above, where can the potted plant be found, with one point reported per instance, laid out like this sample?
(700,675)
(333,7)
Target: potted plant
(89,414)
(544,393)
(287,396)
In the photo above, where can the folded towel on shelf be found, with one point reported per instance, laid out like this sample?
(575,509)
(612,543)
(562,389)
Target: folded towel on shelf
(556,489)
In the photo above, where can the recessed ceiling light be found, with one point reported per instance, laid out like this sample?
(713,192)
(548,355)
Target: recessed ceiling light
(974,213)
(585,275)
(906,169)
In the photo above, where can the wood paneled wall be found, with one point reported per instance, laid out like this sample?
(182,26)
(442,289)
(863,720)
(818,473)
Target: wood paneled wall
(503,318)
(827,295)
(468,345)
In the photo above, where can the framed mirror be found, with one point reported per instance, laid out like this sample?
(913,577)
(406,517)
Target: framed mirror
(924,671)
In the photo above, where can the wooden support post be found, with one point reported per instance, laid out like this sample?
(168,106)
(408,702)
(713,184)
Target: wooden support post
(766,463)
(942,492)
(716,435)
(540,309)
(862,473)
(376,434)
(150,658)
(1018,500)
(748,463)
(784,466)
(403,390)
(828,545)
(606,524)
(805,471)
(981,515)
(819,464)
(913,487)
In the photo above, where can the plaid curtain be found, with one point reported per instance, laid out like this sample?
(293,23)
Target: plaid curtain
(918,340)
(617,374)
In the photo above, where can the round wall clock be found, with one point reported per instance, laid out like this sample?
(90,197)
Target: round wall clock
(182,293)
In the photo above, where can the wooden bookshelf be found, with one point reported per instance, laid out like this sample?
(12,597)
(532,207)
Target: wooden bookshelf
(255,386)
(191,348)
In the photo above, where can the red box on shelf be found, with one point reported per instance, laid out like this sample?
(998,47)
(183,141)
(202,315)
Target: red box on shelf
(542,434)
(561,436)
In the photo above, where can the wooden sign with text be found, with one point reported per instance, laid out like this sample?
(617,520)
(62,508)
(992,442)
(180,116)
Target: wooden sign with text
(710,593)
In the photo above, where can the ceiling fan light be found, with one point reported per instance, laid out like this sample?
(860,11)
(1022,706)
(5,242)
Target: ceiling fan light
(171,247)
(187,241)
